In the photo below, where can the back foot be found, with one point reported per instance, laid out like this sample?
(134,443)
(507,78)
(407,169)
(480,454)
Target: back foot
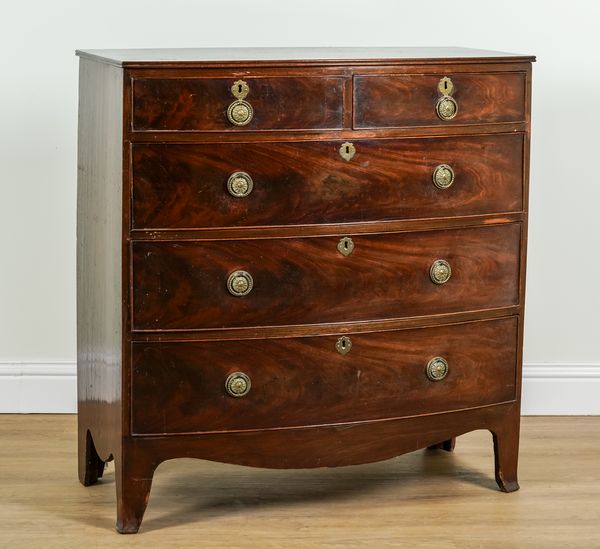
(447,445)
(91,467)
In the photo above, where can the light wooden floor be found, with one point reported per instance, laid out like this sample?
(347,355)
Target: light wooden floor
(425,499)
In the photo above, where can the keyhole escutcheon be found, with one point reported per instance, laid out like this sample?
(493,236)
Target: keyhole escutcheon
(345,246)
(347,151)
(343,345)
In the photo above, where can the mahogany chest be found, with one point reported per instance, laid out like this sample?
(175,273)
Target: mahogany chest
(298,258)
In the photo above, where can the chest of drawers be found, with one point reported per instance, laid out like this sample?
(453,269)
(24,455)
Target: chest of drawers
(298,258)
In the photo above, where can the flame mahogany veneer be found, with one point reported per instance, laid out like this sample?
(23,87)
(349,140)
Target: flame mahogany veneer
(340,348)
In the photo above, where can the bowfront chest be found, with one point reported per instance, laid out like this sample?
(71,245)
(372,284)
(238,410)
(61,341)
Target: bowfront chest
(298,258)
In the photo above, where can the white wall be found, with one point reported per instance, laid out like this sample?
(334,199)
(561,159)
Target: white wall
(38,101)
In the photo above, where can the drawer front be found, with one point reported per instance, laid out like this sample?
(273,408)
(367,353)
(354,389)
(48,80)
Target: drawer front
(201,104)
(184,284)
(186,185)
(179,387)
(411,100)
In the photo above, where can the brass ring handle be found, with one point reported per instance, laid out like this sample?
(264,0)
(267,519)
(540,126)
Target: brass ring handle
(238,384)
(437,368)
(240,184)
(443,176)
(440,271)
(446,108)
(240,283)
(240,112)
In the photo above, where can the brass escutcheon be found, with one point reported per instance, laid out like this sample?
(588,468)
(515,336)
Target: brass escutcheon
(343,345)
(443,176)
(238,384)
(440,271)
(345,246)
(437,368)
(240,184)
(445,86)
(240,283)
(347,151)
(240,89)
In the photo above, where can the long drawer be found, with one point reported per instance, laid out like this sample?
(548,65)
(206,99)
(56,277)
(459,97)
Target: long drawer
(194,185)
(180,387)
(289,281)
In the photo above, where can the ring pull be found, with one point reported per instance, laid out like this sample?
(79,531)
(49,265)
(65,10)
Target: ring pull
(443,176)
(238,384)
(440,271)
(240,184)
(437,368)
(240,283)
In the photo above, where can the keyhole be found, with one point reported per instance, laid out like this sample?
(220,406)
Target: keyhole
(346,245)
(239,88)
(347,149)
(343,343)
(445,84)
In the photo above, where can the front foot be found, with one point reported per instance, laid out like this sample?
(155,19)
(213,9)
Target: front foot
(128,525)
(507,486)
(506,453)
(133,491)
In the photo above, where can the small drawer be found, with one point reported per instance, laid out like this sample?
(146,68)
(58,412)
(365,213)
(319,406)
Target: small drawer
(186,186)
(234,104)
(203,386)
(188,285)
(397,101)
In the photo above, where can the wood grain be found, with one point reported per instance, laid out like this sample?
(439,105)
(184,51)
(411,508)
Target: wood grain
(201,103)
(305,381)
(182,285)
(185,186)
(409,100)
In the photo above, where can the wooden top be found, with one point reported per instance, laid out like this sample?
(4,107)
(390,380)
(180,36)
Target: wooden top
(294,56)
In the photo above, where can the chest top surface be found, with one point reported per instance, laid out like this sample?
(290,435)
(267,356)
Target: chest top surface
(317,56)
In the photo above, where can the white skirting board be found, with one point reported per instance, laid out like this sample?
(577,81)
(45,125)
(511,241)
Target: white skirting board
(548,388)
